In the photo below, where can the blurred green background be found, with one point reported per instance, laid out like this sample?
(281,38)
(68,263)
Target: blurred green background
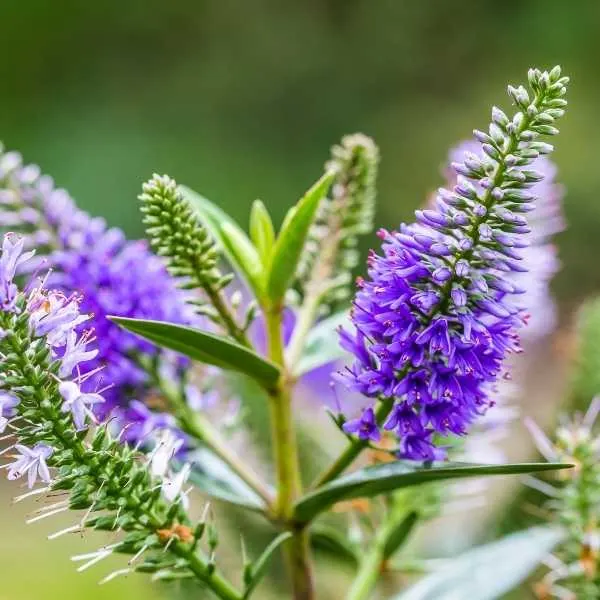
(241,100)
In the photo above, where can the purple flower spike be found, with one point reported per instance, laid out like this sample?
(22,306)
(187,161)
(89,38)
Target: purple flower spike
(439,312)
(99,273)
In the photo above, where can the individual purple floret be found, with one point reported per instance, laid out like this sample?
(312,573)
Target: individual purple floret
(365,427)
(439,312)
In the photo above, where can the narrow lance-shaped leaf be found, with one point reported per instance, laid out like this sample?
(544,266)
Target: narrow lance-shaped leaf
(205,347)
(292,238)
(399,534)
(262,232)
(385,478)
(328,538)
(488,572)
(231,238)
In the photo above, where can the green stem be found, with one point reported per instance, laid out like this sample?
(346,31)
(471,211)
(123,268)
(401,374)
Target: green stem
(317,286)
(227,319)
(392,533)
(368,574)
(306,319)
(353,449)
(289,486)
(218,584)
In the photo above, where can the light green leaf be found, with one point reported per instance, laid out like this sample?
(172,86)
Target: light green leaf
(212,477)
(205,347)
(490,571)
(386,478)
(230,237)
(260,566)
(292,238)
(322,344)
(262,231)
(399,534)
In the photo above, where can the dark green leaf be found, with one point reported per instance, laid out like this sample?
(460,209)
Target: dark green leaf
(231,238)
(213,478)
(322,344)
(292,238)
(490,571)
(204,347)
(386,478)
(258,569)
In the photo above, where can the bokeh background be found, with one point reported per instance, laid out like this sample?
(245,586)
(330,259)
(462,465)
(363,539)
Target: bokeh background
(241,100)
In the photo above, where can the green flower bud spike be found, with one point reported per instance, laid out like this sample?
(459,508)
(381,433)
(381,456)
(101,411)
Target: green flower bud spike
(176,234)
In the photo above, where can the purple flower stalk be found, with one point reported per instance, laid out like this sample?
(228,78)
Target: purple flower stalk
(56,319)
(439,311)
(96,264)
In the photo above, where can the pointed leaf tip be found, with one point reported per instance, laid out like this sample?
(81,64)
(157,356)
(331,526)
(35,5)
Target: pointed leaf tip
(292,238)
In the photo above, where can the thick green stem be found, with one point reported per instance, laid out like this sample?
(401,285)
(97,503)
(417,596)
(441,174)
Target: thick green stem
(392,533)
(287,466)
(368,574)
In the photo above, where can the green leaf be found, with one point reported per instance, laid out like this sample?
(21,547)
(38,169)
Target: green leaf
(490,571)
(212,477)
(239,248)
(399,534)
(260,566)
(262,231)
(230,237)
(323,344)
(292,238)
(385,478)
(205,347)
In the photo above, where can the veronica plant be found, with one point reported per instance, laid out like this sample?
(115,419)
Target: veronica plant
(429,331)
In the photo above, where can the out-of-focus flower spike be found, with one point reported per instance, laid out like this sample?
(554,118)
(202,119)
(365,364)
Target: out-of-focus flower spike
(575,505)
(542,442)
(331,254)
